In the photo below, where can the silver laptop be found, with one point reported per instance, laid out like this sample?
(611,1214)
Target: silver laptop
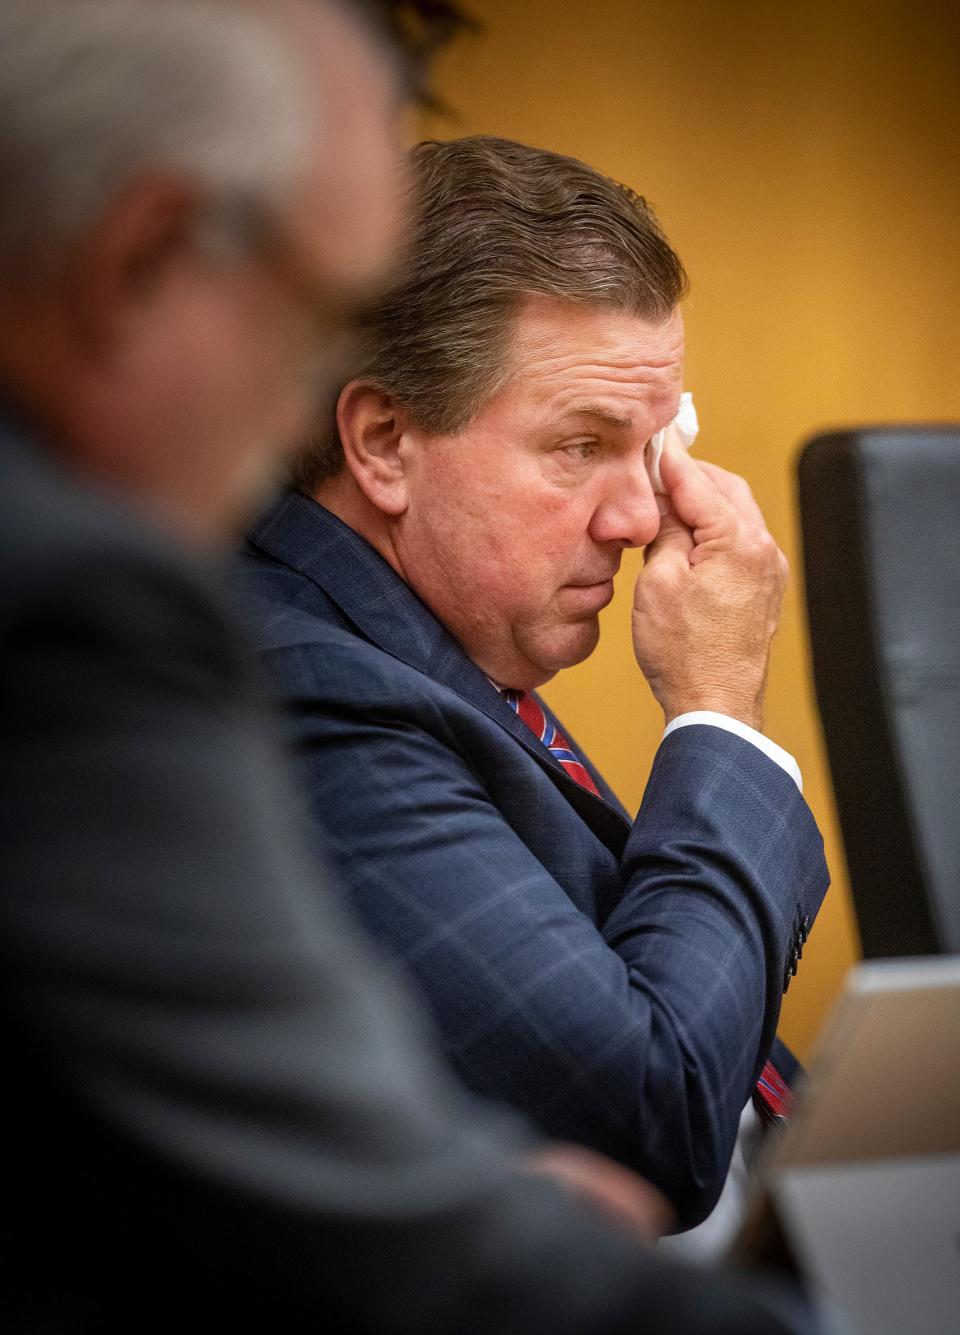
(865,1181)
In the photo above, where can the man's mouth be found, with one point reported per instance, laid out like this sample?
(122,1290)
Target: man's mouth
(603,577)
(590,597)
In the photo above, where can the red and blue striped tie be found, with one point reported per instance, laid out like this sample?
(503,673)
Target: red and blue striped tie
(527,708)
(772,1097)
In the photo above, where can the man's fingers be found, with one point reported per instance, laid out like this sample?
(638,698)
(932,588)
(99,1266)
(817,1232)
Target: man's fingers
(736,489)
(610,1188)
(673,535)
(695,497)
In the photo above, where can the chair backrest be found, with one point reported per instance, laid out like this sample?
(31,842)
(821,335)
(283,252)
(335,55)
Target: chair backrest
(880,511)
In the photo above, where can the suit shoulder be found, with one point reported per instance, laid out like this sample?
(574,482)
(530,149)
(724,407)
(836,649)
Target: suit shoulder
(330,663)
(301,634)
(77,564)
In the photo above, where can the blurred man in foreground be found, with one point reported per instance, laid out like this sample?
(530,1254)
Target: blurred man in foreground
(221,1113)
(449,550)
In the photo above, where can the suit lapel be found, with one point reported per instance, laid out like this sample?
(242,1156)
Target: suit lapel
(386,611)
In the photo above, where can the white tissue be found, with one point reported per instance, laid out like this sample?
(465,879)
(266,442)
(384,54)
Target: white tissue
(678,434)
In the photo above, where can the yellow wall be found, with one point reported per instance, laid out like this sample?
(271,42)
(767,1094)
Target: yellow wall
(804,161)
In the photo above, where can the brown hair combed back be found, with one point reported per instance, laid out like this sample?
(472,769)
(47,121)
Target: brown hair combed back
(497,221)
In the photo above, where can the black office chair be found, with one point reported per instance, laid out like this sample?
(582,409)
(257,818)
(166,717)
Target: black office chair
(880,512)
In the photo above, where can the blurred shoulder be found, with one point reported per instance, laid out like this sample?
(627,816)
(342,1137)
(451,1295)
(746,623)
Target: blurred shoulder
(77,563)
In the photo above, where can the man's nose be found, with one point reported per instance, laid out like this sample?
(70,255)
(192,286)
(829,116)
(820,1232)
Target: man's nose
(627,512)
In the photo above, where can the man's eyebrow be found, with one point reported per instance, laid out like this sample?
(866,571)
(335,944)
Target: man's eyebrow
(600,415)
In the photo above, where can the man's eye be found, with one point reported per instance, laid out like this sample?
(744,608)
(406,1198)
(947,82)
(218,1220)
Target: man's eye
(581,450)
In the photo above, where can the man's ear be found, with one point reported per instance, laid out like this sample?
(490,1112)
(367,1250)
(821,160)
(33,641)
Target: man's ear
(118,267)
(373,431)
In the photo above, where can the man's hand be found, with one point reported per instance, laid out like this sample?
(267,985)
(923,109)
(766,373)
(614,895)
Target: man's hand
(708,600)
(618,1193)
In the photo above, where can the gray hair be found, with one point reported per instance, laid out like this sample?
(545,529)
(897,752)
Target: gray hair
(93,92)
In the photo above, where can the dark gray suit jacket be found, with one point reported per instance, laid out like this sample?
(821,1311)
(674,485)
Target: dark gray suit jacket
(220,1112)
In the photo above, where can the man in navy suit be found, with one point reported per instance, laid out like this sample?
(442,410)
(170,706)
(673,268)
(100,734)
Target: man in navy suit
(447,551)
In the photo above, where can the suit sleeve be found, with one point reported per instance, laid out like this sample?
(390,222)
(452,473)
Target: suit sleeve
(642,1037)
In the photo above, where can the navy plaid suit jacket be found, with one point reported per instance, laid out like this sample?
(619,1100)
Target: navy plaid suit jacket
(618,981)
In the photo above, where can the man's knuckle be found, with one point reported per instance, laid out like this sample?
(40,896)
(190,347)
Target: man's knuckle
(766,548)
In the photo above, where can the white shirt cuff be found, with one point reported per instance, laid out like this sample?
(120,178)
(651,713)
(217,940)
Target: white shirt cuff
(776,753)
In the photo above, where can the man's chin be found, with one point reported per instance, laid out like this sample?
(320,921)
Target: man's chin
(567,647)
